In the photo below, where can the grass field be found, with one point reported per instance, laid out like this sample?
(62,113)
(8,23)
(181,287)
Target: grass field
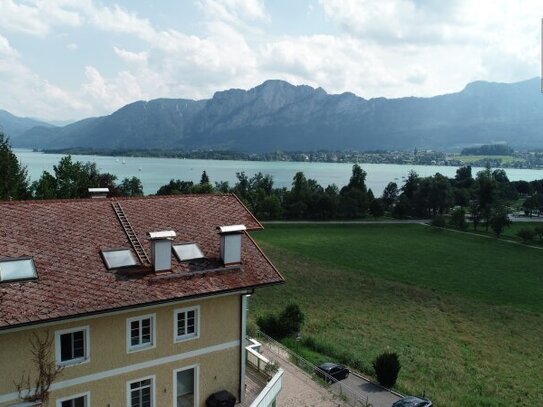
(509,232)
(463,312)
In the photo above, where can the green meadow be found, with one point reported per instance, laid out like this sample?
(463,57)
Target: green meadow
(464,312)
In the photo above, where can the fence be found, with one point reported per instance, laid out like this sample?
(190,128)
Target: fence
(342,390)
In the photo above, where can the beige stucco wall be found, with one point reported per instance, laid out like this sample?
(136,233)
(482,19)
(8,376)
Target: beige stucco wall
(220,369)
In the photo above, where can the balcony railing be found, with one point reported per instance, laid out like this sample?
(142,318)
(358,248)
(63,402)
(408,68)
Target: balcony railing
(269,370)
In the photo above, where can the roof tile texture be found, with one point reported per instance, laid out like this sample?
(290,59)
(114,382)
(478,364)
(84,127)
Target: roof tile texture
(65,237)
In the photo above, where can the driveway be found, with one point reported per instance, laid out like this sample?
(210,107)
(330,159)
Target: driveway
(360,390)
(299,389)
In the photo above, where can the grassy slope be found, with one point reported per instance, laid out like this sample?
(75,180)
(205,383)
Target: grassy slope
(463,312)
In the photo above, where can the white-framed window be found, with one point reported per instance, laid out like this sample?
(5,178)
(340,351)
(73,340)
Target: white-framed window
(140,333)
(141,392)
(78,400)
(185,385)
(72,346)
(186,324)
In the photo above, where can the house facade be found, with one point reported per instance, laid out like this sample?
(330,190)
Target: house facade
(140,302)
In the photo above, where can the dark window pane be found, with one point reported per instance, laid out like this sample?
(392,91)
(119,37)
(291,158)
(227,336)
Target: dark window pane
(79,344)
(79,402)
(146,397)
(66,347)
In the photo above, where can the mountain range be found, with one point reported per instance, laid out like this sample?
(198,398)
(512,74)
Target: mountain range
(279,116)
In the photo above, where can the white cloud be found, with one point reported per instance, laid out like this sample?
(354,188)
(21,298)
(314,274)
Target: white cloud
(38,17)
(110,95)
(386,48)
(130,56)
(235,10)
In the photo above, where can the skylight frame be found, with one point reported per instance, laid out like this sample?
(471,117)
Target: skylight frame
(25,277)
(196,245)
(118,249)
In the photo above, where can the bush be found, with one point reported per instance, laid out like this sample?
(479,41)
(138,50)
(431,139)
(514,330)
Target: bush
(527,235)
(387,367)
(292,319)
(270,325)
(438,221)
(289,322)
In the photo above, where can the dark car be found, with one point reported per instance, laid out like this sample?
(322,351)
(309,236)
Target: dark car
(328,370)
(412,401)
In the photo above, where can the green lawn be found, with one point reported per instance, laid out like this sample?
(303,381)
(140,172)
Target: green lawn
(463,312)
(509,232)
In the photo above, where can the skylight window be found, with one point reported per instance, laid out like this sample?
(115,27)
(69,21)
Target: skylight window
(117,258)
(188,251)
(17,269)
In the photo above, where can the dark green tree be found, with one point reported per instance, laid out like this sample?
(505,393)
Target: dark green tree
(204,179)
(176,187)
(376,208)
(130,187)
(13,175)
(45,187)
(458,219)
(499,220)
(353,198)
(390,194)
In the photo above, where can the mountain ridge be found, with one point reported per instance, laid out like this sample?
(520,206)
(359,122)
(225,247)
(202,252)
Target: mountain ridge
(277,115)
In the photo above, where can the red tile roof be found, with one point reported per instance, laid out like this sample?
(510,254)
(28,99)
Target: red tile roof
(64,237)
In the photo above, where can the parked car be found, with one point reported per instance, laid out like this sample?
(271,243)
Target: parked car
(412,401)
(327,370)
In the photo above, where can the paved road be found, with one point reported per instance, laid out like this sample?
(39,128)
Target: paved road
(345,222)
(361,391)
(299,389)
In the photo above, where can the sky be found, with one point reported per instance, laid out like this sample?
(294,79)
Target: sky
(70,59)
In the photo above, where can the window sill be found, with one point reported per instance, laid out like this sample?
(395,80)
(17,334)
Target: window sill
(73,362)
(186,338)
(140,348)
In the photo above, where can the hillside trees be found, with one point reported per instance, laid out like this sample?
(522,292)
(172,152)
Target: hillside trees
(13,175)
(72,179)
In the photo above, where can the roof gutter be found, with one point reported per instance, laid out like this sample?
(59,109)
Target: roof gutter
(240,290)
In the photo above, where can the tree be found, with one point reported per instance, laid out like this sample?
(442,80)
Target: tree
(463,178)
(13,175)
(387,367)
(486,193)
(176,187)
(45,187)
(402,208)
(376,208)
(499,220)
(130,187)
(32,389)
(410,185)
(458,219)
(390,194)
(222,187)
(353,198)
(530,205)
(204,179)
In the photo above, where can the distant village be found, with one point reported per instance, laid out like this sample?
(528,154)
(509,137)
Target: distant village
(482,156)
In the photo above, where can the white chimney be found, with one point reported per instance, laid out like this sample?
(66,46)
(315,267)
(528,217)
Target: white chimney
(231,243)
(98,192)
(161,249)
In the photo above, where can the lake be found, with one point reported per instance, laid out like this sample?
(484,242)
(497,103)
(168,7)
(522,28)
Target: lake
(155,172)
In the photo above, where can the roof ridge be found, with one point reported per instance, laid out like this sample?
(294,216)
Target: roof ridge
(109,199)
